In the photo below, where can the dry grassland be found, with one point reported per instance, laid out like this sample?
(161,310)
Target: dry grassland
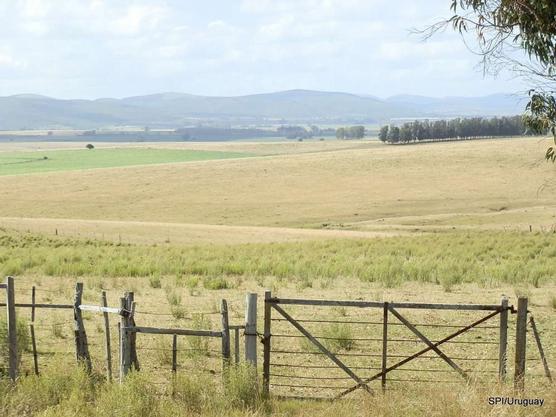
(497,183)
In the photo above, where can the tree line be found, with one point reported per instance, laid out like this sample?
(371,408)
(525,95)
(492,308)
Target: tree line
(459,128)
(353,132)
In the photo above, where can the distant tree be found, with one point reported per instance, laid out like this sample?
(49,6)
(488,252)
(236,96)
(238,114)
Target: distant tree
(90,146)
(357,132)
(383,133)
(340,133)
(502,29)
(393,134)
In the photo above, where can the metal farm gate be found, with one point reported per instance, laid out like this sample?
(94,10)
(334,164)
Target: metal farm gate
(334,357)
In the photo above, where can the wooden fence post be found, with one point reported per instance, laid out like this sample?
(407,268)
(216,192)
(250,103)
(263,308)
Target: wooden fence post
(266,342)
(251,329)
(503,339)
(32,330)
(174,354)
(104,303)
(384,345)
(520,343)
(81,346)
(225,337)
(125,361)
(12,329)
(132,335)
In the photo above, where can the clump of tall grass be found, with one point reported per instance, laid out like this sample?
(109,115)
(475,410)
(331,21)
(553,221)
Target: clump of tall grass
(155,282)
(216,283)
(199,346)
(552,302)
(22,337)
(173,297)
(339,336)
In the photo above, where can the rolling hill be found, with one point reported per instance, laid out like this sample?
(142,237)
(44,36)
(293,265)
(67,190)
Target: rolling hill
(28,111)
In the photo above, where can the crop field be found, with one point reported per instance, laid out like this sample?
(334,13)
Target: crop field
(449,222)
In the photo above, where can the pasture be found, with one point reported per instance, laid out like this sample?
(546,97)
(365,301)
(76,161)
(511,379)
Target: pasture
(16,163)
(448,222)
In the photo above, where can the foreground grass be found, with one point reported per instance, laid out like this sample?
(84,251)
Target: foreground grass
(63,393)
(446,258)
(13,163)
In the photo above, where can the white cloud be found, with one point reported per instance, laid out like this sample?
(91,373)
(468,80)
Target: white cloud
(127,47)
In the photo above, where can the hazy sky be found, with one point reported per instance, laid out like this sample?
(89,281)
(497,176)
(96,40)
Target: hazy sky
(117,48)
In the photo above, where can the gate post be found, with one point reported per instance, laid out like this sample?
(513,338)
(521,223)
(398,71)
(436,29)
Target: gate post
(12,328)
(502,354)
(520,343)
(251,329)
(266,341)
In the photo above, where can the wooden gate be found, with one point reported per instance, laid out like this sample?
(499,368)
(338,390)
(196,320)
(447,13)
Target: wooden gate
(275,355)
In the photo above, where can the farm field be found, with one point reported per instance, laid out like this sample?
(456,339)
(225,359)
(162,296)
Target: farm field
(364,186)
(15,163)
(448,222)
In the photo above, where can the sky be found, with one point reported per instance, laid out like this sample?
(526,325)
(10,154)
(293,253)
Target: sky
(121,48)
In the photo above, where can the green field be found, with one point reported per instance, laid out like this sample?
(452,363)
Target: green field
(14,163)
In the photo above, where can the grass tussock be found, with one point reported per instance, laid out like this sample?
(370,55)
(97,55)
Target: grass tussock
(447,259)
(23,338)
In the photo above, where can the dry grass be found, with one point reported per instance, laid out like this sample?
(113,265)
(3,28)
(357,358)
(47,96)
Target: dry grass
(336,189)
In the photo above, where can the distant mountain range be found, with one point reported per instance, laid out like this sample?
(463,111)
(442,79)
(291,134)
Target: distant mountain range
(172,110)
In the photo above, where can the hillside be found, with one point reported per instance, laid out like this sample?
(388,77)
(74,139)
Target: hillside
(295,106)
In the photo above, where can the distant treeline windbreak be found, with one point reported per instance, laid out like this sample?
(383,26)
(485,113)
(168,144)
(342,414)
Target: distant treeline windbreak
(476,127)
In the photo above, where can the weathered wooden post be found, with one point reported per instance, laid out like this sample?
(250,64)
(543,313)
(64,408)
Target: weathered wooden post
(266,343)
(174,354)
(251,329)
(125,357)
(12,329)
(225,337)
(32,331)
(81,346)
(104,303)
(132,335)
(520,343)
(384,345)
(503,339)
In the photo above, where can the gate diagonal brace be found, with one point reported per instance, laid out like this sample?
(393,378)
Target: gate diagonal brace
(421,352)
(331,356)
(428,342)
